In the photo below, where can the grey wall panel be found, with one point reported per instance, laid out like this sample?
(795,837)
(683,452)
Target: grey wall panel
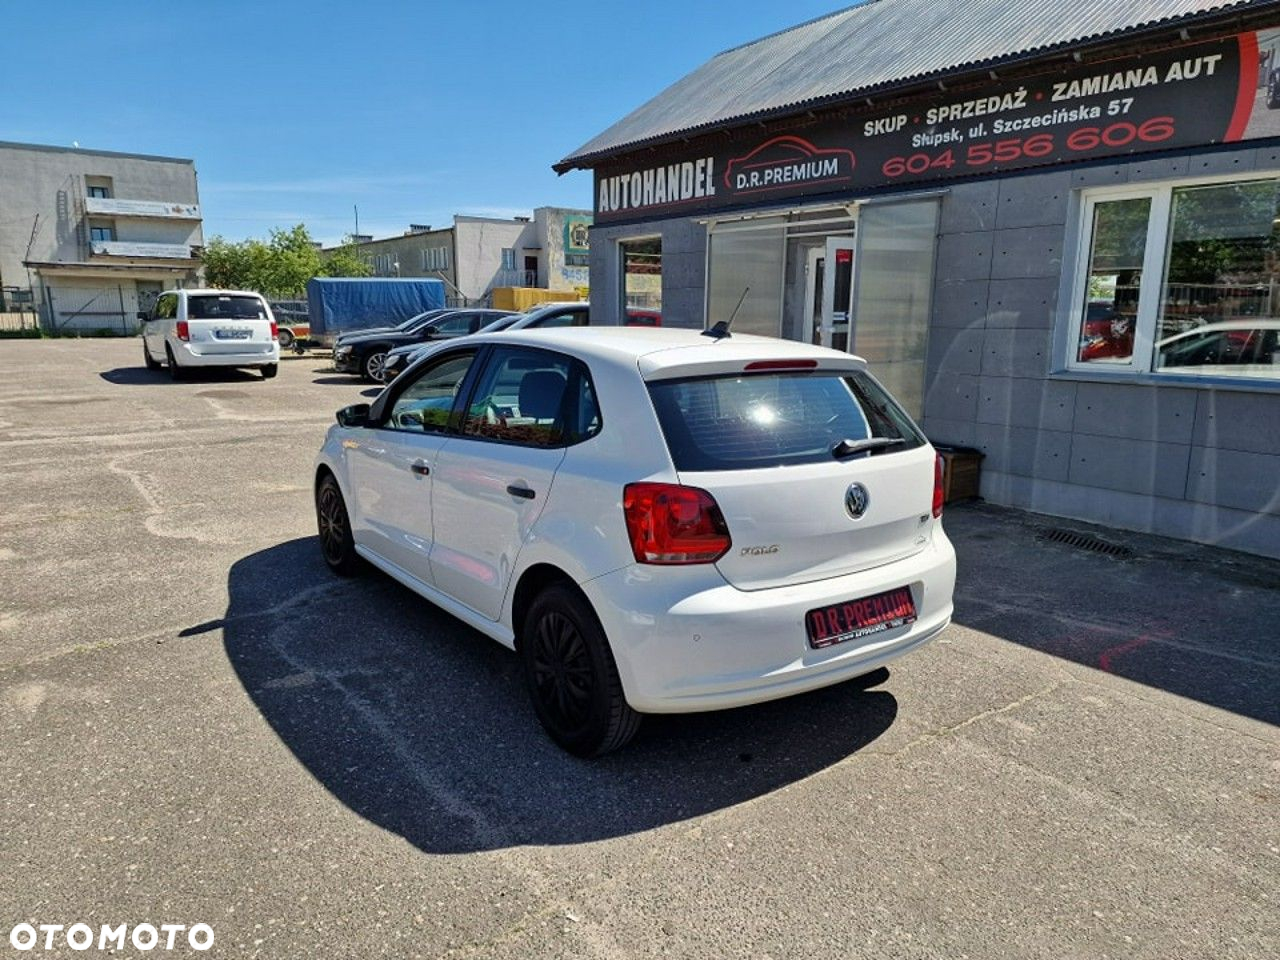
(1238,421)
(682,269)
(951,396)
(1100,176)
(1246,481)
(940,430)
(955,350)
(682,308)
(1033,201)
(1187,520)
(1026,402)
(1158,168)
(1136,411)
(1023,302)
(1027,252)
(960,303)
(1025,451)
(1136,466)
(964,256)
(1015,353)
(1214,164)
(969,207)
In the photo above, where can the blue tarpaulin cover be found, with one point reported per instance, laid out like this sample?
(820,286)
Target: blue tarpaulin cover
(340,304)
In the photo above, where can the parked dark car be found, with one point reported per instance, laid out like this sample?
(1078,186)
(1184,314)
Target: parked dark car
(365,354)
(399,358)
(404,326)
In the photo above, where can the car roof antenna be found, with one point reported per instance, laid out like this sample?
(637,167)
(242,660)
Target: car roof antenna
(721,329)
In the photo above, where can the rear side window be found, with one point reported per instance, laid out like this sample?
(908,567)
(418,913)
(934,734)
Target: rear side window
(225,307)
(749,421)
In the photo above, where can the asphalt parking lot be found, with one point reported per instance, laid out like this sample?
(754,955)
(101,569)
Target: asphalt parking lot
(199,724)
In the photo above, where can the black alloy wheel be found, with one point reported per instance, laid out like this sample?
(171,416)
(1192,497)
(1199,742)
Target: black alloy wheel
(336,541)
(572,677)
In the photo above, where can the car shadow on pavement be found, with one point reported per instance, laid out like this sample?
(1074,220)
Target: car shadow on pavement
(422,725)
(141,376)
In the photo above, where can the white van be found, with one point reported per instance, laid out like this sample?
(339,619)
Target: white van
(210,328)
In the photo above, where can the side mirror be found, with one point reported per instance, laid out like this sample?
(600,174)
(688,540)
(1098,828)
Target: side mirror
(356,415)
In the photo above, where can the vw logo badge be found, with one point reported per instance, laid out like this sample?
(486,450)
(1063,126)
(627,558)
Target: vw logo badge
(856,500)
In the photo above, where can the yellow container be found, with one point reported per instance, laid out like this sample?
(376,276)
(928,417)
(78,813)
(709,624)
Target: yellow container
(526,298)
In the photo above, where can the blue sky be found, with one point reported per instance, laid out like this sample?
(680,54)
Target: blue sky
(296,111)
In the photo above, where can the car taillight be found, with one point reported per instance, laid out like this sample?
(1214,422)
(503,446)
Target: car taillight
(184,331)
(669,524)
(937,486)
(275,330)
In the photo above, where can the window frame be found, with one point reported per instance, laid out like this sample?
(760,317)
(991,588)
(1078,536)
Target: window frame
(1070,317)
(619,244)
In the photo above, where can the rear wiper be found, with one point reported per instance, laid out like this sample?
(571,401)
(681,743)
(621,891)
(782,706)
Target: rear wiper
(847,448)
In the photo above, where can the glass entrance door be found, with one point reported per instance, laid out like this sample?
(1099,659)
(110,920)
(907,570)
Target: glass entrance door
(829,294)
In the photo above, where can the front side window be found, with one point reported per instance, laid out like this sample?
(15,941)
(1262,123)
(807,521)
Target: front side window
(426,403)
(532,398)
(1182,280)
(750,421)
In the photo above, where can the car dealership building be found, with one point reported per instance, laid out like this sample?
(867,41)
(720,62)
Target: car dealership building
(1051,227)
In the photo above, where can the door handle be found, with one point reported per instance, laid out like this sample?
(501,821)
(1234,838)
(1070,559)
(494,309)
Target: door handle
(421,469)
(518,491)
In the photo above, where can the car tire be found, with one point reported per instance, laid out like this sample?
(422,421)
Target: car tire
(371,368)
(175,371)
(572,677)
(337,545)
(151,362)
(270,370)
(286,338)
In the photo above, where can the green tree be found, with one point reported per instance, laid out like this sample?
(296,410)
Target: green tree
(279,267)
(343,261)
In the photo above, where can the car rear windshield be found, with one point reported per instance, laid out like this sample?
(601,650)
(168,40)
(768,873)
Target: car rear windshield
(225,307)
(749,421)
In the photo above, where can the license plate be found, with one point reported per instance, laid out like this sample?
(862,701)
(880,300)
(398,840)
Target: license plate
(233,333)
(854,619)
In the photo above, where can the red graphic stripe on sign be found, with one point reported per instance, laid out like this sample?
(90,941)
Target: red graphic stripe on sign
(1248,86)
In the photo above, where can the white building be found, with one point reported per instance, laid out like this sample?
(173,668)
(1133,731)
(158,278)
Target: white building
(90,236)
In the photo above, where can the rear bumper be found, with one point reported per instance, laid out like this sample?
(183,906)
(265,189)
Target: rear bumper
(253,355)
(686,641)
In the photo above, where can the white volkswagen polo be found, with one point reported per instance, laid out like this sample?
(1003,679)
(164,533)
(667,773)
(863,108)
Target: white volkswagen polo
(657,520)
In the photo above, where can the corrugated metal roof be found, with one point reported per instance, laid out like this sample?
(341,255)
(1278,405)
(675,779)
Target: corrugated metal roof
(876,45)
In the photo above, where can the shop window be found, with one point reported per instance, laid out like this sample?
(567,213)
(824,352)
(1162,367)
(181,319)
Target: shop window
(1181,280)
(745,276)
(641,273)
